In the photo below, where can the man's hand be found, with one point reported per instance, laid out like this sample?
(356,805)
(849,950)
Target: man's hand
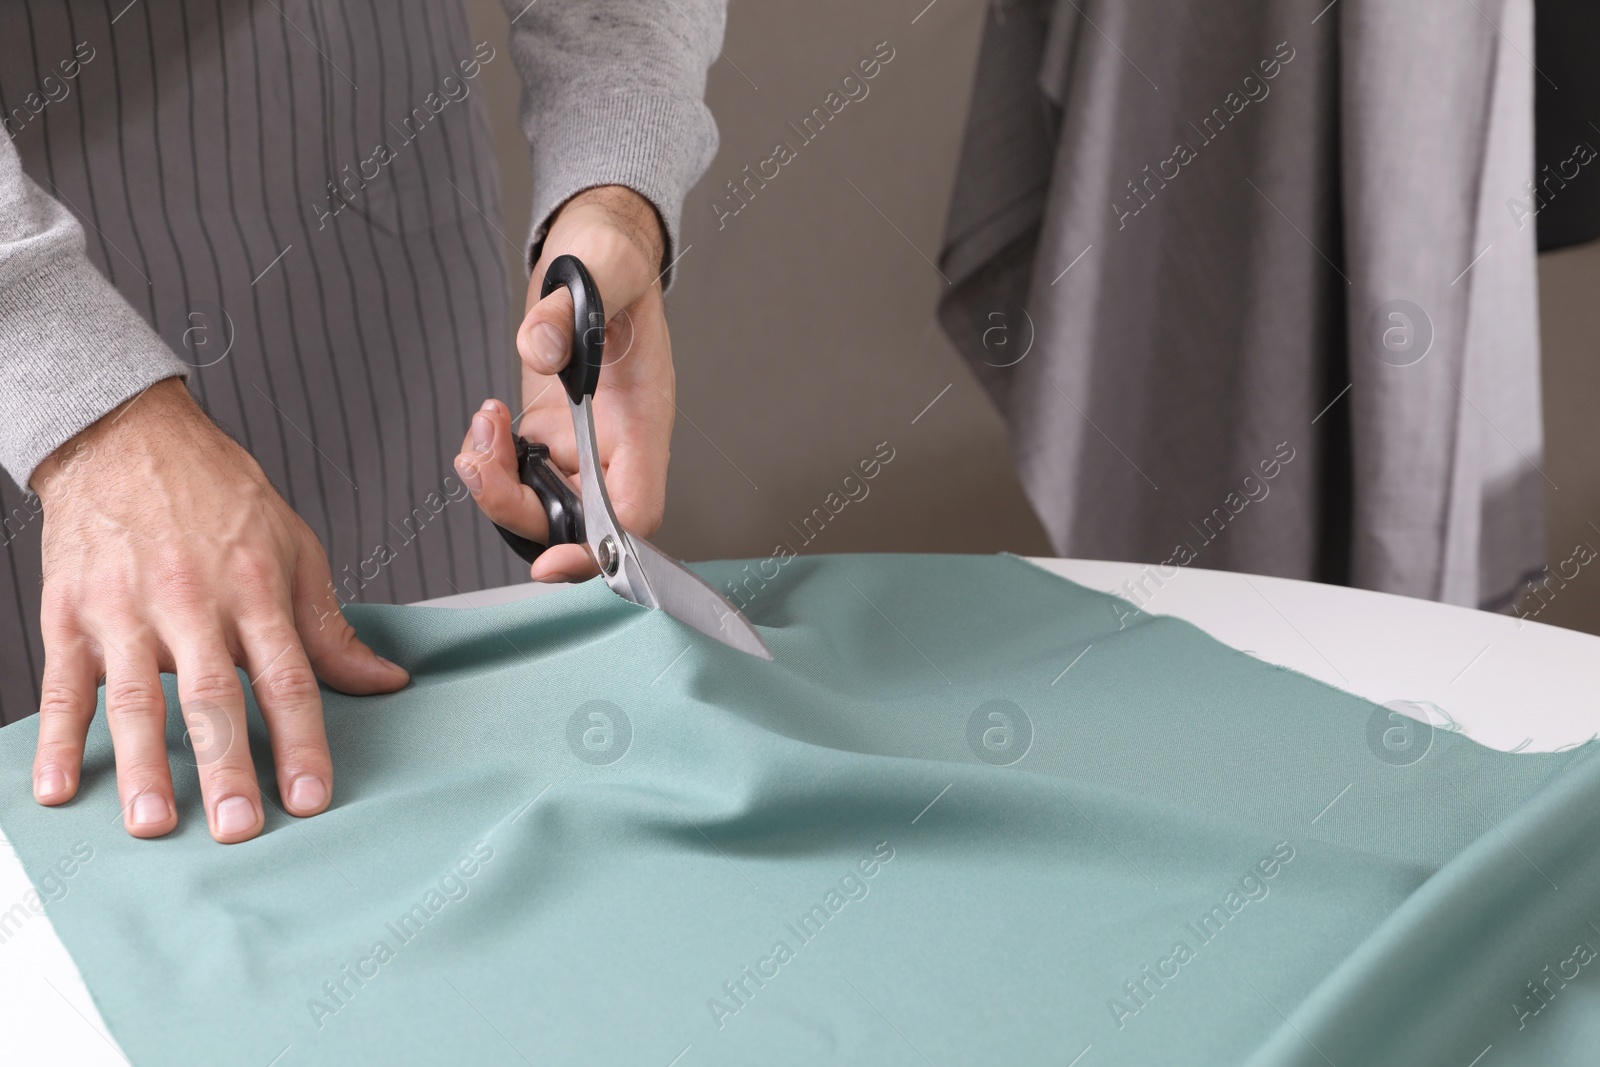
(166,549)
(617,235)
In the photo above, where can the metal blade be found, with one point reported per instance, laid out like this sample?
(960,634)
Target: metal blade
(604,534)
(688,598)
(641,572)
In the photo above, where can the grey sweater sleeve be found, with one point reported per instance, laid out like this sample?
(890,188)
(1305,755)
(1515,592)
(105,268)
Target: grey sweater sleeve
(614,94)
(71,348)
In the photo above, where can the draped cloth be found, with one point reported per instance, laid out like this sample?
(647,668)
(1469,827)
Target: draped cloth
(971,813)
(1254,284)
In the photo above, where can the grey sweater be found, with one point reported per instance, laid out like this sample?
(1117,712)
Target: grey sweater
(613,94)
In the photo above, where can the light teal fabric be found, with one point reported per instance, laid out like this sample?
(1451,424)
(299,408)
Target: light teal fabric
(587,835)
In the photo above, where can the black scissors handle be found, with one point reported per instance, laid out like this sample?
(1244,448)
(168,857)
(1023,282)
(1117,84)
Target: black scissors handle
(582,372)
(580,376)
(561,505)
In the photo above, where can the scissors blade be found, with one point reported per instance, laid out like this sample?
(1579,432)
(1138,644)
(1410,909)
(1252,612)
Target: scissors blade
(688,598)
(640,571)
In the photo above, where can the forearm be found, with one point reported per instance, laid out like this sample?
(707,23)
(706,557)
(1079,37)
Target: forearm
(71,348)
(615,96)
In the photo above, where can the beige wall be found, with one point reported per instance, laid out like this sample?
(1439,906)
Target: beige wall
(803,329)
(1569,311)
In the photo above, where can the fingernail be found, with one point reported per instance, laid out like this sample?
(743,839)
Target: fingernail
(469,475)
(547,345)
(235,815)
(394,666)
(149,810)
(306,793)
(49,783)
(488,405)
(482,433)
(558,577)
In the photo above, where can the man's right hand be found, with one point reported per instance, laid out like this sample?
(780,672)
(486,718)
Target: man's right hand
(166,549)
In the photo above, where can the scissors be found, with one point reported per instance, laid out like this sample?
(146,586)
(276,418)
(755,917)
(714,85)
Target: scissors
(635,569)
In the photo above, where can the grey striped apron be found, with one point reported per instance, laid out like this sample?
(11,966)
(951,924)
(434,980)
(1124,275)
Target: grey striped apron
(344,305)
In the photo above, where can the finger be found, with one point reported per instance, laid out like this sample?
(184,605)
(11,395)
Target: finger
(640,415)
(489,437)
(286,690)
(501,494)
(136,712)
(564,563)
(337,655)
(544,339)
(621,333)
(212,700)
(547,418)
(636,470)
(66,704)
(636,480)
(487,466)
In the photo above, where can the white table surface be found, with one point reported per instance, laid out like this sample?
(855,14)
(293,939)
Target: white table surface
(1504,682)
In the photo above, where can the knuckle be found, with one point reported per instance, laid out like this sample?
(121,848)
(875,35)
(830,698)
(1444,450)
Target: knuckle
(135,697)
(342,638)
(61,754)
(139,776)
(212,686)
(653,514)
(292,683)
(336,631)
(642,517)
(58,698)
(476,463)
(231,772)
(502,500)
(58,613)
(555,311)
(175,574)
(302,535)
(257,576)
(300,757)
(323,621)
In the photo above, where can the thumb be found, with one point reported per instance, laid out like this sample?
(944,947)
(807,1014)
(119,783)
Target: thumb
(340,658)
(545,338)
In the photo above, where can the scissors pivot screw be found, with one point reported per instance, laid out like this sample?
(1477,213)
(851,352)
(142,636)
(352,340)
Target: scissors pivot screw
(608,556)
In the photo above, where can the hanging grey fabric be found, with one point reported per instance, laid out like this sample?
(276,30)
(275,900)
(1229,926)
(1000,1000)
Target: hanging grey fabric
(1244,282)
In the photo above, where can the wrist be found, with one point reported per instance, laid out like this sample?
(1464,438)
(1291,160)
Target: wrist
(622,209)
(164,410)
